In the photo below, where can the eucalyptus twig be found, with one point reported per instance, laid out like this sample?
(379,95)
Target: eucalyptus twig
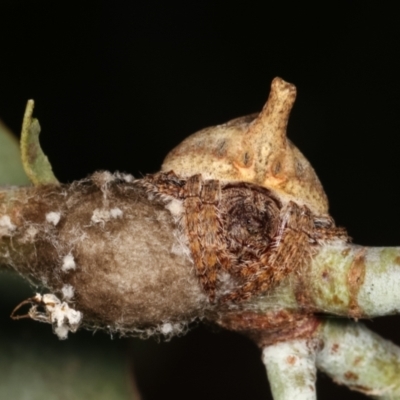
(234,229)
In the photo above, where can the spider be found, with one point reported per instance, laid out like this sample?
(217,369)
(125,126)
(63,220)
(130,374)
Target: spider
(241,233)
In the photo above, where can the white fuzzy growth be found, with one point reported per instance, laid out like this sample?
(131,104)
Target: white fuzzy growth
(175,207)
(101,215)
(68,263)
(171,329)
(126,177)
(180,247)
(291,370)
(53,217)
(166,328)
(116,213)
(29,235)
(6,226)
(68,292)
(63,318)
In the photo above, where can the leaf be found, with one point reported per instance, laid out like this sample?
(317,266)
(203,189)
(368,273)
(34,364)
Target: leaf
(35,162)
(11,169)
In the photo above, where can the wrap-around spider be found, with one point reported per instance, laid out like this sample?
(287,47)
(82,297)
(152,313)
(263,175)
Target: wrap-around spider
(242,230)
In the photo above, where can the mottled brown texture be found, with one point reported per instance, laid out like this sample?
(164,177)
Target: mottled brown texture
(350,376)
(241,229)
(273,327)
(355,279)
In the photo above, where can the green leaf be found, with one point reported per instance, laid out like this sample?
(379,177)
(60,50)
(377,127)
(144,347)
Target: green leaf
(35,162)
(11,169)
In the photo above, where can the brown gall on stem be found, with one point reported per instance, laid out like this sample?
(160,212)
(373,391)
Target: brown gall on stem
(256,150)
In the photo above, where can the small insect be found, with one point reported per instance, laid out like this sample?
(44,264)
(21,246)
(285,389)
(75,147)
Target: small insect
(49,309)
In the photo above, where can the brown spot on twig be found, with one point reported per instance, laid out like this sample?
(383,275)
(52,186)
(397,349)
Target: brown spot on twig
(291,360)
(346,251)
(325,275)
(351,376)
(273,327)
(335,348)
(355,279)
(357,360)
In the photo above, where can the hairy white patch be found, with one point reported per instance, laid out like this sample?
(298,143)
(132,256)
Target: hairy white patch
(116,213)
(68,292)
(175,207)
(53,217)
(6,226)
(126,177)
(68,263)
(170,329)
(166,328)
(101,215)
(29,235)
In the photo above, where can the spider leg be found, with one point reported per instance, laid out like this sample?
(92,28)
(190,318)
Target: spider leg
(209,232)
(204,229)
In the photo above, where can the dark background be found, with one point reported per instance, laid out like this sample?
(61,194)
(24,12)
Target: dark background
(119,84)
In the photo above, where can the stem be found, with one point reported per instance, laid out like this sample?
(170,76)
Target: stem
(291,369)
(360,359)
(356,281)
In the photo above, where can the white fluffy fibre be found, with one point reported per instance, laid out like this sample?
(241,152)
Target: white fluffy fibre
(116,213)
(63,318)
(175,207)
(170,329)
(101,215)
(6,226)
(68,292)
(126,177)
(53,217)
(30,234)
(68,263)
(180,247)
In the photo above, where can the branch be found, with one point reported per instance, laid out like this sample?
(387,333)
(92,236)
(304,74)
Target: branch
(291,369)
(360,359)
(235,229)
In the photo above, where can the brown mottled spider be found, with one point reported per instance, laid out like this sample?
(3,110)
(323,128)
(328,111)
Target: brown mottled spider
(242,232)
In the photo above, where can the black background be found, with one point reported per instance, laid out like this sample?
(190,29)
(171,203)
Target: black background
(119,84)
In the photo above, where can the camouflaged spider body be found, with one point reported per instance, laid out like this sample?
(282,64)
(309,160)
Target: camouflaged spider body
(243,241)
